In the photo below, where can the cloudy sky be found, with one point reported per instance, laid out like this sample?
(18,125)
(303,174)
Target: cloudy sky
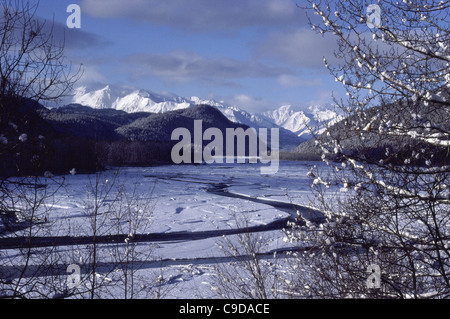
(257,54)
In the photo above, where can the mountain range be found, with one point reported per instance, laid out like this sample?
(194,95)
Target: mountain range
(295,126)
(36,138)
(39,139)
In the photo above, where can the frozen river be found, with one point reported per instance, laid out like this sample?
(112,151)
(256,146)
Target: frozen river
(175,215)
(213,182)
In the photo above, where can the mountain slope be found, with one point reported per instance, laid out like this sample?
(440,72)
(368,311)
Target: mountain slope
(288,139)
(303,124)
(81,121)
(290,123)
(130,101)
(406,133)
(159,126)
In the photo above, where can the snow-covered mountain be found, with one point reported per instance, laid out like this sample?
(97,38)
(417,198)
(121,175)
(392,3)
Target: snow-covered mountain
(130,101)
(295,125)
(302,123)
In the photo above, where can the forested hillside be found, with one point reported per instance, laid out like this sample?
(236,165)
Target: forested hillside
(88,139)
(382,138)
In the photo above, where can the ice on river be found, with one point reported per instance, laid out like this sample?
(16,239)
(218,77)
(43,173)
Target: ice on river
(178,199)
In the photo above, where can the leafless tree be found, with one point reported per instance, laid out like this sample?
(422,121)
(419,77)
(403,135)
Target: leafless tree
(114,263)
(251,272)
(32,70)
(388,236)
(27,271)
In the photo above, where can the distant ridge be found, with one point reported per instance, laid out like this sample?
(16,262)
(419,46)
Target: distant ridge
(295,126)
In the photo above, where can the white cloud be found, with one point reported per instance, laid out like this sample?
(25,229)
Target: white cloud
(91,76)
(182,66)
(197,15)
(72,39)
(289,81)
(251,103)
(301,47)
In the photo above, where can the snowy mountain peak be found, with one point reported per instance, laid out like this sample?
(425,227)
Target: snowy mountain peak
(294,121)
(302,123)
(100,99)
(299,123)
(128,101)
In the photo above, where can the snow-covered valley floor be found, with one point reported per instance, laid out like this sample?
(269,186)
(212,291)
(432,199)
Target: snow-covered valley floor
(176,217)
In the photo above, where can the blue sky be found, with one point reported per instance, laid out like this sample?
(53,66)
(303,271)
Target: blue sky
(257,54)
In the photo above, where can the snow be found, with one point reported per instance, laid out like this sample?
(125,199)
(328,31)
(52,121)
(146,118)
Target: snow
(136,100)
(302,123)
(101,99)
(23,138)
(171,199)
(131,101)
